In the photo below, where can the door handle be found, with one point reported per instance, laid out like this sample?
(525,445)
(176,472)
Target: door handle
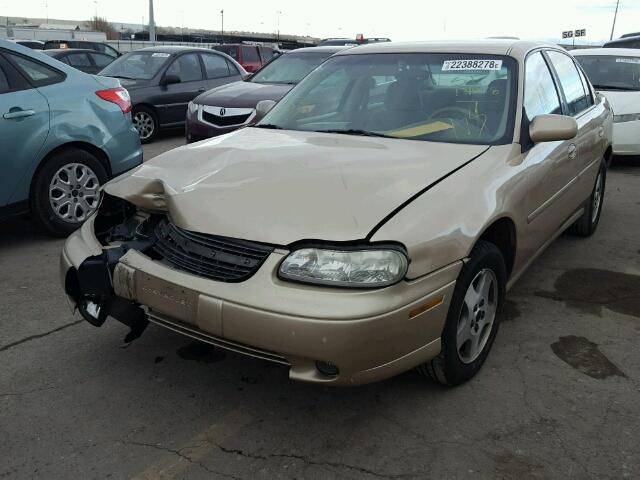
(11,114)
(572,151)
(601,131)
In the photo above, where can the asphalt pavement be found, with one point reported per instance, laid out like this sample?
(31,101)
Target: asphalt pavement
(558,397)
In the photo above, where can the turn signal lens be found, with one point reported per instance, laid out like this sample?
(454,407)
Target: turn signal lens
(119,96)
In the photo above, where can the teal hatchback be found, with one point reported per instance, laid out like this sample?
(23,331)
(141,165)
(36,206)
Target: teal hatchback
(63,133)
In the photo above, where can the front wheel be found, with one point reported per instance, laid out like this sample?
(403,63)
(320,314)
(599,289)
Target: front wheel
(587,224)
(472,320)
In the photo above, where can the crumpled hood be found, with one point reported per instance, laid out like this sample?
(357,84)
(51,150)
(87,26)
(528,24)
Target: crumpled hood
(622,103)
(242,94)
(283,186)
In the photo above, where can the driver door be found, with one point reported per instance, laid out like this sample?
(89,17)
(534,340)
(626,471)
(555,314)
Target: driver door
(176,96)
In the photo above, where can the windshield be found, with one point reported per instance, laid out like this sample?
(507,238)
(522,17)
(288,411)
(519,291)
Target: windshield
(457,98)
(610,71)
(137,65)
(290,68)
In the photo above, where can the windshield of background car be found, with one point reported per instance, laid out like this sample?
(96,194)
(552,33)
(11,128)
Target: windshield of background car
(290,68)
(137,65)
(616,72)
(458,98)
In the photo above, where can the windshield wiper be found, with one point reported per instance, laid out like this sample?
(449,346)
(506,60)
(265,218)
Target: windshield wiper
(269,125)
(613,87)
(355,131)
(123,77)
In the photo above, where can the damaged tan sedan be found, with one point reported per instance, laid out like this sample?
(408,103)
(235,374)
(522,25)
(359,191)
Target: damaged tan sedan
(370,223)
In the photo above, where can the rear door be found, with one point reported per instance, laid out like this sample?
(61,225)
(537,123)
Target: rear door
(218,70)
(24,125)
(176,97)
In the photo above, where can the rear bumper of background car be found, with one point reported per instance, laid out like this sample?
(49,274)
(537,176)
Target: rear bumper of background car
(626,138)
(368,335)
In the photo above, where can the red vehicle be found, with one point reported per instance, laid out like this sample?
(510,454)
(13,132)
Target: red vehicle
(251,57)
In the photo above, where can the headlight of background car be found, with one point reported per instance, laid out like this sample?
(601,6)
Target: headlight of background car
(192,109)
(628,117)
(345,268)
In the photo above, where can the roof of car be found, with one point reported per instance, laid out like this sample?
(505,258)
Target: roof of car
(613,52)
(51,51)
(172,49)
(327,49)
(515,48)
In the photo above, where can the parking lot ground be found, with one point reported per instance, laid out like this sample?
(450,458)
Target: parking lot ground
(558,397)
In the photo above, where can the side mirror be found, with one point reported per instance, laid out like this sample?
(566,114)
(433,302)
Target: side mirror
(552,128)
(262,108)
(170,80)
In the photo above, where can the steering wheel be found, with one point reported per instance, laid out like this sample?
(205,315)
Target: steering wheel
(461,117)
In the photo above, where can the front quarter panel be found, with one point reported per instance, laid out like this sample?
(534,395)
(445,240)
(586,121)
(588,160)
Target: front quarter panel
(442,225)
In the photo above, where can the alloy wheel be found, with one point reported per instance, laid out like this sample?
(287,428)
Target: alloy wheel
(144,124)
(74,192)
(477,316)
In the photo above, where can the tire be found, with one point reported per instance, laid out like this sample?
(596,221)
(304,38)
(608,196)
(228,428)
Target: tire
(57,204)
(146,123)
(458,363)
(587,224)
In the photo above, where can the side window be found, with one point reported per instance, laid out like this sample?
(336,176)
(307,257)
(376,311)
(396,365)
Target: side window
(587,89)
(78,60)
(38,73)
(187,67)
(250,54)
(233,70)
(570,81)
(4,82)
(215,66)
(101,60)
(540,95)
(266,53)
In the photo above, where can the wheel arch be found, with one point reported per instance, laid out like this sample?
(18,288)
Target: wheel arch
(502,233)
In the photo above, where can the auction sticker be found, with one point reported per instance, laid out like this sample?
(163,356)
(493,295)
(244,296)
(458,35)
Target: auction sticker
(471,65)
(627,60)
(161,55)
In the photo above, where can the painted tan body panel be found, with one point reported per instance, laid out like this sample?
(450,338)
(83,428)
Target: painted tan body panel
(281,187)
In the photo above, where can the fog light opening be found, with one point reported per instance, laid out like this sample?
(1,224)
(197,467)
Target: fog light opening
(327,368)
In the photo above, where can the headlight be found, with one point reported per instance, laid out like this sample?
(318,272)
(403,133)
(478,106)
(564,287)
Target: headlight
(628,117)
(192,108)
(365,267)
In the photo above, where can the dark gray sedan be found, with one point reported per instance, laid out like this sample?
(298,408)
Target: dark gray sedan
(163,80)
(87,61)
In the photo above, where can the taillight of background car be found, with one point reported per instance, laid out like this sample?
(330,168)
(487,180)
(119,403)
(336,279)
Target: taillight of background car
(119,96)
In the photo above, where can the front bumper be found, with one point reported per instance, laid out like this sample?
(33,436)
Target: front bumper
(626,138)
(368,334)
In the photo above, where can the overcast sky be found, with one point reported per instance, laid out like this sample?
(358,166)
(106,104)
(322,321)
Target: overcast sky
(399,20)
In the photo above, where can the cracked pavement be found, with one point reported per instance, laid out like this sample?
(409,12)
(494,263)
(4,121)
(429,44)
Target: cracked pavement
(74,404)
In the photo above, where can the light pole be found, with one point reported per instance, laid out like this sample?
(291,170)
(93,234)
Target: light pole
(222,29)
(95,15)
(152,23)
(615,15)
(279,13)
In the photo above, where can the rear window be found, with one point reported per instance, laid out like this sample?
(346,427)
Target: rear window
(250,54)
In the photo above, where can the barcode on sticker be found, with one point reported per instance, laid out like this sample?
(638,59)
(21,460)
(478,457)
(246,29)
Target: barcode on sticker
(471,65)
(627,60)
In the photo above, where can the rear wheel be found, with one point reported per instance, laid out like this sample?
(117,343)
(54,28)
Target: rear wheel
(472,320)
(587,224)
(146,123)
(66,190)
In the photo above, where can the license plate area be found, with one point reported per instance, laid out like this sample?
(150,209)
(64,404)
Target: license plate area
(164,297)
